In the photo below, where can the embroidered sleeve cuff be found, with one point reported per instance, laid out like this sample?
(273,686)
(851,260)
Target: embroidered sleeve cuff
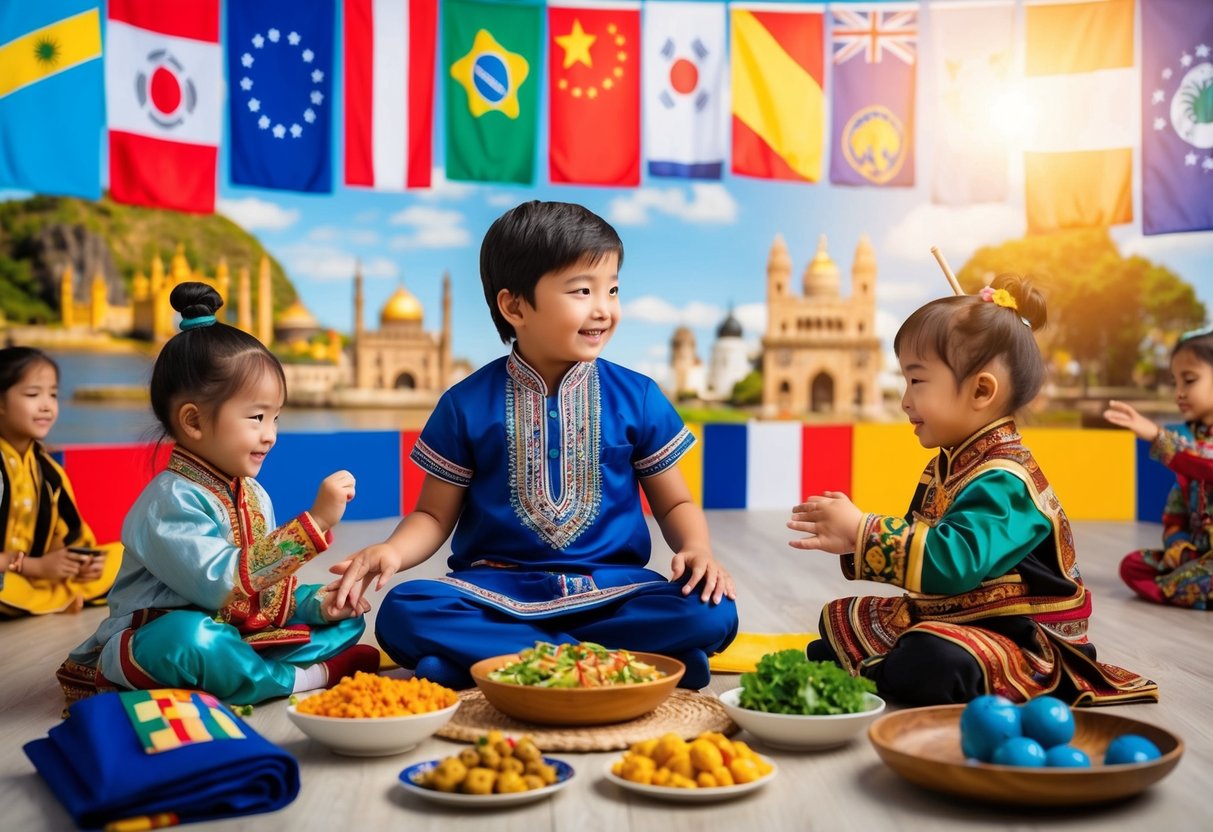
(890,550)
(1166,445)
(674,449)
(320,541)
(432,463)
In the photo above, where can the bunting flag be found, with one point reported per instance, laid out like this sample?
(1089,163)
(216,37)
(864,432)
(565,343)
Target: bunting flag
(778,109)
(594,70)
(875,52)
(972,65)
(51,105)
(490,53)
(1078,160)
(163,92)
(1177,116)
(684,100)
(280,67)
(389,92)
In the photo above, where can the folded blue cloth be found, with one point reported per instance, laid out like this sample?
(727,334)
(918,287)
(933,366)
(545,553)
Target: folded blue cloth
(162,756)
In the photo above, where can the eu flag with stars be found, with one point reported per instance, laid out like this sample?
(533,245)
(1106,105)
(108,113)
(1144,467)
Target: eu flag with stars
(280,67)
(52,104)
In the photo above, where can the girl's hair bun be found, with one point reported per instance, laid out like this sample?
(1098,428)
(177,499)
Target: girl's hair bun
(194,299)
(1028,299)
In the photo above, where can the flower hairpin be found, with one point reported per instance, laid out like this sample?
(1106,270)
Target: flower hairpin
(1001,297)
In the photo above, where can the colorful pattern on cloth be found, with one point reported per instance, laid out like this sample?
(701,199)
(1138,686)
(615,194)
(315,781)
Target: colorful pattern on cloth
(168,719)
(669,454)
(1044,587)
(440,466)
(573,602)
(264,594)
(556,511)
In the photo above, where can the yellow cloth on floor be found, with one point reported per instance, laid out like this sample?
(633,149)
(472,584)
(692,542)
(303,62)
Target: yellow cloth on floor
(743,654)
(386,662)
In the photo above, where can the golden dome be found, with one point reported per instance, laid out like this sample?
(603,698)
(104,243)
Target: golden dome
(295,316)
(402,306)
(821,275)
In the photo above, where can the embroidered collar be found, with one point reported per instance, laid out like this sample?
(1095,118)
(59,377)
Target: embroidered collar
(32,451)
(196,469)
(526,375)
(964,456)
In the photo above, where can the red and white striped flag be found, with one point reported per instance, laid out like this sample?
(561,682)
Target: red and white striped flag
(163,94)
(389,92)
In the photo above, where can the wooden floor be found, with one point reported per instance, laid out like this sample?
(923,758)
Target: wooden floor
(779,590)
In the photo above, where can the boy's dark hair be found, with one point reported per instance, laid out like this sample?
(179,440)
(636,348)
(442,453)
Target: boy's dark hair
(15,362)
(209,363)
(966,333)
(534,238)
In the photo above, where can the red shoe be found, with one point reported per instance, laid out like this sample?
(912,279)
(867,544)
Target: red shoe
(349,661)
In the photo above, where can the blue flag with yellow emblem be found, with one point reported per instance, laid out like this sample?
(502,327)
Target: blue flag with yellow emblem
(280,67)
(52,103)
(490,58)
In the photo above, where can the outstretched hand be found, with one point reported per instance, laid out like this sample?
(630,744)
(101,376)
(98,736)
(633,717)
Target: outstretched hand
(1125,415)
(359,570)
(830,522)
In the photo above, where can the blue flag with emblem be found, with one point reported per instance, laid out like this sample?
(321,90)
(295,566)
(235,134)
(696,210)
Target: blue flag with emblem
(52,104)
(1177,116)
(280,68)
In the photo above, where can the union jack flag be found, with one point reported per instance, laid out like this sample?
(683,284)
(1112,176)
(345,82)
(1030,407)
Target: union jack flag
(874,33)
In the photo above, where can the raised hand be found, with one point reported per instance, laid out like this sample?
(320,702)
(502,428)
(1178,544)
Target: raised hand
(336,490)
(1125,415)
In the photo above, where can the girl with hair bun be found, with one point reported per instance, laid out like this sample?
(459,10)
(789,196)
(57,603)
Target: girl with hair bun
(994,601)
(206,597)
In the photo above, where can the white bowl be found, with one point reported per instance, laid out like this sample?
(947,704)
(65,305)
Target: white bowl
(370,736)
(799,732)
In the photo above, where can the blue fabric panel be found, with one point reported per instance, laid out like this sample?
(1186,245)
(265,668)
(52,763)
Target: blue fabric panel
(724,466)
(1154,481)
(295,467)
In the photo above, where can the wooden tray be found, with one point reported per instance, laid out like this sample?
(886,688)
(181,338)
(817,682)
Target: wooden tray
(923,746)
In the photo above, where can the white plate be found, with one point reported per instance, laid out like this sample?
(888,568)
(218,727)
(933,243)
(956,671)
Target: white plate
(700,795)
(410,776)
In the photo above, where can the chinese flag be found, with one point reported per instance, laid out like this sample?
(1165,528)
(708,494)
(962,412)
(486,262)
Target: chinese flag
(594,94)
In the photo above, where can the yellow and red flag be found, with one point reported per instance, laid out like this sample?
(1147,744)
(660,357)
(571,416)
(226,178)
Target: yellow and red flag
(778,105)
(594,93)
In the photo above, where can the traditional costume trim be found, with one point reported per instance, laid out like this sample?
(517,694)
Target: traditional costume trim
(579,600)
(557,518)
(439,466)
(669,454)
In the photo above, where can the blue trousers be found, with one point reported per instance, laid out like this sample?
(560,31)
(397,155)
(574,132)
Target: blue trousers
(430,626)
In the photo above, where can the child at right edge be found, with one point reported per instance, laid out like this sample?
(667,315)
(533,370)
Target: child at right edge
(994,601)
(1180,573)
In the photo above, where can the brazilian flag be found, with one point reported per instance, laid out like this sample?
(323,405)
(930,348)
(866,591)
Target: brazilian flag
(490,59)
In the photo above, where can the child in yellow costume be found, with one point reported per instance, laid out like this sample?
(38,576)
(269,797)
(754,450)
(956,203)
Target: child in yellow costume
(50,559)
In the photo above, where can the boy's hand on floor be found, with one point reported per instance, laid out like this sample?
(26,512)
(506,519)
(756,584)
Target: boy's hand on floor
(830,522)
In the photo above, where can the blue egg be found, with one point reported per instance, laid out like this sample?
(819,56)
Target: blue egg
(985,724)
(1067,756)
(1130,748)
(1047,720)
(1020,751)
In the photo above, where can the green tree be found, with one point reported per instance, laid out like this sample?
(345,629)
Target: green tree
(1106,310)
(748,391)
(19,301)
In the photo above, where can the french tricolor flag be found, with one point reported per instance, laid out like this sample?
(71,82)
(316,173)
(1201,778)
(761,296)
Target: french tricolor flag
(164,99)
(389,92)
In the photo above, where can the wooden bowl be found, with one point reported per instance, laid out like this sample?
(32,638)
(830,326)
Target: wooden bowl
(578,706)
(923,746)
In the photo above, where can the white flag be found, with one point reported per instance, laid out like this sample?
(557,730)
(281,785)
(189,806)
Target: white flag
(972,58)
(684,94)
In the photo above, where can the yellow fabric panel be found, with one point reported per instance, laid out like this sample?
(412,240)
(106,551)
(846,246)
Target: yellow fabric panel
(788,116)
(1093,472)
(50,50)
(887,462)
(691,465)
(1078,189)
(742,655)
(1078,37)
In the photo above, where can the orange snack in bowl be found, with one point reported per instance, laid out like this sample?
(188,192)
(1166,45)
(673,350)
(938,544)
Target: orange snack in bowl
(709,761)
(371,695)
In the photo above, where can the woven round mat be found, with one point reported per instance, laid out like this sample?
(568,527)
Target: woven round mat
(687,713)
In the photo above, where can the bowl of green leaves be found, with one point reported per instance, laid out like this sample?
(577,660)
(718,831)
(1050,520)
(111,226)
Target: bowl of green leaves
(792,703)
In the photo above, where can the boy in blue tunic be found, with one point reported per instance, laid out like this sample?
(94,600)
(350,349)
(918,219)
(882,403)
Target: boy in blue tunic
(534,462)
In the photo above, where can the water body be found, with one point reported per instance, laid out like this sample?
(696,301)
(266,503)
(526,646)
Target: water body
(103,423)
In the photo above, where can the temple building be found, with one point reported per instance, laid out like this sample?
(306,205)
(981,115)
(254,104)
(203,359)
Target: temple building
(820,353)
(401,355)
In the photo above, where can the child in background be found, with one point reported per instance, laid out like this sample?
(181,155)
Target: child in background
(535,462)
(995,603)
(51,557)
(1180,573)
(206,597)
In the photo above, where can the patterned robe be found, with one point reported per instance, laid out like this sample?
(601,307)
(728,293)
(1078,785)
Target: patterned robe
(985,539)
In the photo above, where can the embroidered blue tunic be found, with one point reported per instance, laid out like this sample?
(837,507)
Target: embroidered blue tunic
(552,541)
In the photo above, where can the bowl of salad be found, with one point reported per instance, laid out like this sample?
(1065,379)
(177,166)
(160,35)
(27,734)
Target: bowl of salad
(576,684)
(792,703)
